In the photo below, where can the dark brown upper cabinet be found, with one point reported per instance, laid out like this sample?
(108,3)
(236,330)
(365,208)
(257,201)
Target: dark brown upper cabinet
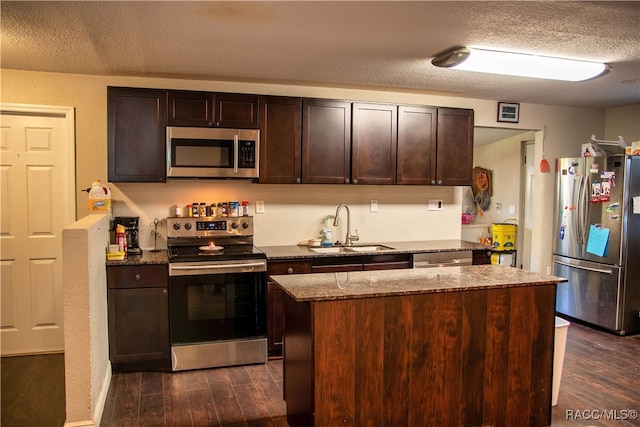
(280,140)
(326,141)
(454,159)
(417,133)
(136,120)
(374,143)
(208,109)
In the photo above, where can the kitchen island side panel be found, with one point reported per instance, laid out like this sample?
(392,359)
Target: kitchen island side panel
(407,360)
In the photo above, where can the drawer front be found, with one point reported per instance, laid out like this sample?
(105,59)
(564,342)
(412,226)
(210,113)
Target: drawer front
(288,267)
(138,276)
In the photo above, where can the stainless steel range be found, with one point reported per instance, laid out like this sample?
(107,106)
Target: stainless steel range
(217,293)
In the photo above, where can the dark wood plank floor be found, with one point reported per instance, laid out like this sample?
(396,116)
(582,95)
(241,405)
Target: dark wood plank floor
(32,391)
(236,396)
(601,378)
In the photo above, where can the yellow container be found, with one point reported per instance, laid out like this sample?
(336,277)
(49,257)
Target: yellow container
(504,237)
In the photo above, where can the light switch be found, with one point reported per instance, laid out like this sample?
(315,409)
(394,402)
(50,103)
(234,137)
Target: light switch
(512,209)
(374,205)
(259,206)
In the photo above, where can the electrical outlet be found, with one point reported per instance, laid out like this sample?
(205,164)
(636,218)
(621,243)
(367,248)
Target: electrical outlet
(374,205)
(259,206)
(498,207)
(512,209)
(435,205)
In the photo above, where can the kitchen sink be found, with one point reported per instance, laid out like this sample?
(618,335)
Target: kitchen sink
(368,248)
(358,248)
(329,250)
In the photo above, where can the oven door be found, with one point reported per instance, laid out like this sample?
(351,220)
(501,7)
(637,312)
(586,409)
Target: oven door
(217,314)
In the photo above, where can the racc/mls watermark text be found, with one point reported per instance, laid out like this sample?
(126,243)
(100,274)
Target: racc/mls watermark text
(602,414)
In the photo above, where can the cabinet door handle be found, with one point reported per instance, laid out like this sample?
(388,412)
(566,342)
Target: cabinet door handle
(433,182)
(138,276)
(298,181)
(290,270)
(164,291)
(439,182)
(355,181)
(346,181)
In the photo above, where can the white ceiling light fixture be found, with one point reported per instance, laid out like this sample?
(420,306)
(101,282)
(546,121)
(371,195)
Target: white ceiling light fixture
(519,64)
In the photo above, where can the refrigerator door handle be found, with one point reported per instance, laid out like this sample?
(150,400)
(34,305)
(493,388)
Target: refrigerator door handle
(583,207)
(596,270)
(577,224)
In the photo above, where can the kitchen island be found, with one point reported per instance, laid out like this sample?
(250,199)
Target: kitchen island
(443,346)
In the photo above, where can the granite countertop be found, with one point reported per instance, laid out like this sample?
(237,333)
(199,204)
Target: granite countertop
(367,284)
(148,257)
(293,251)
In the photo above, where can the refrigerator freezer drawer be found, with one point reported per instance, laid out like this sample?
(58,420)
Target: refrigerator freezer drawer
(592,293)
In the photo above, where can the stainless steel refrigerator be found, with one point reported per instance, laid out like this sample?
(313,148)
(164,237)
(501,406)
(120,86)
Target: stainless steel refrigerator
(597,240)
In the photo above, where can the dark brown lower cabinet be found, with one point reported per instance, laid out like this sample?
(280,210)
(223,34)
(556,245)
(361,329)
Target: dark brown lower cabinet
(467,358)
(481,257)
(138,304)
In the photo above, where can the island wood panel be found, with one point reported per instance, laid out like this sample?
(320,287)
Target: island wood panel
(409,360)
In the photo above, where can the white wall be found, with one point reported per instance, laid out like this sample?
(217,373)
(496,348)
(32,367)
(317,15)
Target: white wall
(568,128)
(86,339)
(622,121)
(503,158)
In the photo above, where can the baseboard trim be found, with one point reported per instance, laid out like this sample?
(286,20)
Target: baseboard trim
(100,403)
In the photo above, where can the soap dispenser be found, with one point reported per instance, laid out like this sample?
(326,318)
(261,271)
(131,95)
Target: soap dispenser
(327,232)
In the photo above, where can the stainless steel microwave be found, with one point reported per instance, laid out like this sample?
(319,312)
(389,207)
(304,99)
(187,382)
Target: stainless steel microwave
(212,152)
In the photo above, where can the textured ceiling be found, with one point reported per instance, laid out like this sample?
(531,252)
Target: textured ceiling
(377,45)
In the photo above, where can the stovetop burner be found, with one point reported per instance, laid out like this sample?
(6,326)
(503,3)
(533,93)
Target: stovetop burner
(193,253)
(186,237)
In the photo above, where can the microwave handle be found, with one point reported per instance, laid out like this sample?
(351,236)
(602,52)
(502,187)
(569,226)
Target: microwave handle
(235,153)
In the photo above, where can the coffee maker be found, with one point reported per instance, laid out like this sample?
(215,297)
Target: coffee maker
(130,224)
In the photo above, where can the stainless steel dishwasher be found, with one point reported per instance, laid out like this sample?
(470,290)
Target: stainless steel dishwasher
(442,259)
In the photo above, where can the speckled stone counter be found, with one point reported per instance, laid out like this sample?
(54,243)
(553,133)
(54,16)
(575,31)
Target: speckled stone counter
(293,251)
(147,258)
(367,284)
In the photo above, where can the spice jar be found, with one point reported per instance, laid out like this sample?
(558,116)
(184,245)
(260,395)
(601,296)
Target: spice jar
(245,208)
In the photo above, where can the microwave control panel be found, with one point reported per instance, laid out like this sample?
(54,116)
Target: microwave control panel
(247,154)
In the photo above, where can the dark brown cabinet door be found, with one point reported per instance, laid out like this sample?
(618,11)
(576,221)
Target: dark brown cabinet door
(454,147)
(275,319)
(280,140)
(236,111)
(139,328)
(138,311)
(187,108)
(374,143)
(136,120)
(326,141)
(417,127)
(208,109)
(275,298)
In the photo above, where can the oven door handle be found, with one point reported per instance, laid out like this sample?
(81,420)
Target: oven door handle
(217,266)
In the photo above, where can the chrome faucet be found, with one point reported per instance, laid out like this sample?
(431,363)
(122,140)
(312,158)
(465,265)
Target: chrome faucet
(350,238)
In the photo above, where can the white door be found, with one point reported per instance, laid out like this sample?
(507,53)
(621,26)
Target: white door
(37,200)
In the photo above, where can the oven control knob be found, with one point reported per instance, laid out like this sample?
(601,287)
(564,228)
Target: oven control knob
(176,226)
(187,226)
(234,225)
(245,225)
